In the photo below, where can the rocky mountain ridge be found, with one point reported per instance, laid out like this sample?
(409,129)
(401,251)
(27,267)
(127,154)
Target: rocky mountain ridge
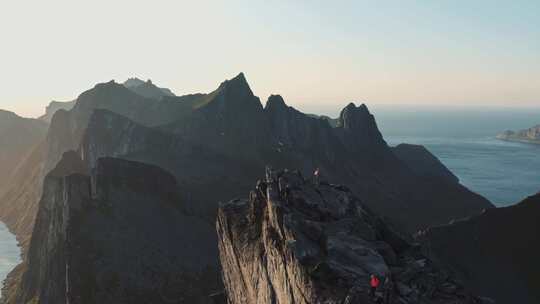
(147,88)
(296,241)
(215,145)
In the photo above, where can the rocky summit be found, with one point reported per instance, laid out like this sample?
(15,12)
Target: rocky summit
(303,241)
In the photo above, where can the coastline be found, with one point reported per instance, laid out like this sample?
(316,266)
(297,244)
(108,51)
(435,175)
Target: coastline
(518,140)
(10,259)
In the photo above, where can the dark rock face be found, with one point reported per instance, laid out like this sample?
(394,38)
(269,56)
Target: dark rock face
(496,252)
(530,135)
(226,119)
(197,168)
(120,236)
(296,242)
(423,163)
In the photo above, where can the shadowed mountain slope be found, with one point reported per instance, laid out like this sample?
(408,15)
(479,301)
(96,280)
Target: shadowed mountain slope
(95,234)
(18,136)
(495,252)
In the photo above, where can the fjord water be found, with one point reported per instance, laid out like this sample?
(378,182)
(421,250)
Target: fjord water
(464,140)
(9,252)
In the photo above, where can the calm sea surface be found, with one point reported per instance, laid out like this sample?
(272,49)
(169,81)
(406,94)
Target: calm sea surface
(503,172)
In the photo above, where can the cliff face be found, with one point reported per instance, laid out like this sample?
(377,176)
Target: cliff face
(296,242)
(94,241)
(495,252)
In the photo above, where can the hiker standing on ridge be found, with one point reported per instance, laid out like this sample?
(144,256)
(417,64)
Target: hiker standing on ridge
(374,284)
(317,176)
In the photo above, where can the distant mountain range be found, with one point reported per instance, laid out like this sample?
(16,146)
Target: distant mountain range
(530,135)
(144,88)
(117,203)
(147,88)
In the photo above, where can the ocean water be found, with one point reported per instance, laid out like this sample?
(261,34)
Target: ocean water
(9,252)
(464,140)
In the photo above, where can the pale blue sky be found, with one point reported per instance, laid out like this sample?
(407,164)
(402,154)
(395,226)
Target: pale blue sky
(317,54)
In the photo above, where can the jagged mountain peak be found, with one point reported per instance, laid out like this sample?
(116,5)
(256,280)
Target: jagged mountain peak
(275,102)
(147,88)
(238,84)
(232,95)
(351,115)
(134,82)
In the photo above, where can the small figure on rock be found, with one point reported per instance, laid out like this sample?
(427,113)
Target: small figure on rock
(374,284)
(388,289)
(261,186)
(317,176)
(287,193)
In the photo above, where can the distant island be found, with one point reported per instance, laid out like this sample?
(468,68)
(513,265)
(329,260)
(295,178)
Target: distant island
(530,135)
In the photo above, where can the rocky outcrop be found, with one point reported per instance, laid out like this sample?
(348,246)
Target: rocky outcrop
(293,241)
(55,106)
(120,236)
(147,89)
(496,253)
(530,135)
(423,163)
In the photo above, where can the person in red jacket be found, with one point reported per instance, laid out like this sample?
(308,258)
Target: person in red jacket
(374,283)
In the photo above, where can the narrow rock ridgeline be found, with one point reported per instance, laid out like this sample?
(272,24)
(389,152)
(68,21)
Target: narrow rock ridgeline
(296,242)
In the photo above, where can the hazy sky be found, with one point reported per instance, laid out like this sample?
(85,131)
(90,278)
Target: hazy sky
(317,54)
